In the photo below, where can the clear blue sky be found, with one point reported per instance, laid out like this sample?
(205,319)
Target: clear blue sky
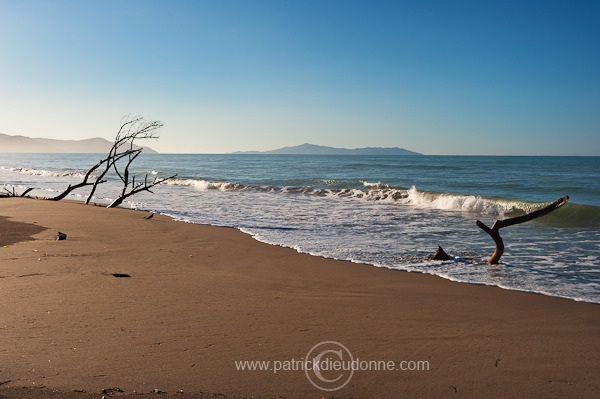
(438,77)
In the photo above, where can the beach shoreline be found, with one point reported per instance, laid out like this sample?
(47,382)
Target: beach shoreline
(385,211)
(201,298)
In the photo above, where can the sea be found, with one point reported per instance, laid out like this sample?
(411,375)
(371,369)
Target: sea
(385,211)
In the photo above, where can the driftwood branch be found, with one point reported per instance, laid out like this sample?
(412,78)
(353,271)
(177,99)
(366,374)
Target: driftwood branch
(137,188)
(123,146)
(110,161)
(498,224)
(13,193)
(9,193)
(119,158)
(83,183)
(440,254)
(130,129)
(27,191)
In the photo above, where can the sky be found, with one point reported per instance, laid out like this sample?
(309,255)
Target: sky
(437,77)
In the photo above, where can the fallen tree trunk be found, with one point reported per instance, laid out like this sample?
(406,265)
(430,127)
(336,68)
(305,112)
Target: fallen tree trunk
(498,224)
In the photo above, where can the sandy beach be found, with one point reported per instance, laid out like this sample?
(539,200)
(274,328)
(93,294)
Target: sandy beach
(198,299)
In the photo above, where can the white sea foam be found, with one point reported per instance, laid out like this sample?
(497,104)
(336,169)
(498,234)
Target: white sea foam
(464,203)
(381,193)
(377,185)
(203,184)
(375,191)
(48,173)
(343,217)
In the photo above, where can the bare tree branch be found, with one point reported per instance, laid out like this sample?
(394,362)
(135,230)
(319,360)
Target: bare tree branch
(125,150)
(137,188)
(24,193)
(498,224)
(13,193)
(129,131)
(84,183)
(8,193)
(100,178)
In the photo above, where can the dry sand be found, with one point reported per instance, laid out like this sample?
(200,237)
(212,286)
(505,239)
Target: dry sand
(200,298)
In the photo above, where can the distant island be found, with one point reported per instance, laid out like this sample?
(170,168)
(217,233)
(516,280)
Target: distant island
(312,149)
(38,145)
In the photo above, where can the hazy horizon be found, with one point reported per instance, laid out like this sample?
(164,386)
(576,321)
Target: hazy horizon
(439,78)
(103,149)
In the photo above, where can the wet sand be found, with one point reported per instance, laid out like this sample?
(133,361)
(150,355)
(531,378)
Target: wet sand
(200,298)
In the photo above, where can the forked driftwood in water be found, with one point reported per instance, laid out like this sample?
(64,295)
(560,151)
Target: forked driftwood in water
(498,224)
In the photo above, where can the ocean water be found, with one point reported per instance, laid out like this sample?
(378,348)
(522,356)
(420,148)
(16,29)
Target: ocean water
(387,211)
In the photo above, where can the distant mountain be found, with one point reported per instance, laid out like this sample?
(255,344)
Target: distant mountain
(312,149)
(29,144)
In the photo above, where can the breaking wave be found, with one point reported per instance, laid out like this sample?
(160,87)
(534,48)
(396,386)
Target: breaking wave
(571,214)
(48,173)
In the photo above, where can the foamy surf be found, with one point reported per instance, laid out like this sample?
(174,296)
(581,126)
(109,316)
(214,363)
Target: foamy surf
(49,173)
(385,211)
(204,184)
(467,203)
(367,191)
(378,191)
